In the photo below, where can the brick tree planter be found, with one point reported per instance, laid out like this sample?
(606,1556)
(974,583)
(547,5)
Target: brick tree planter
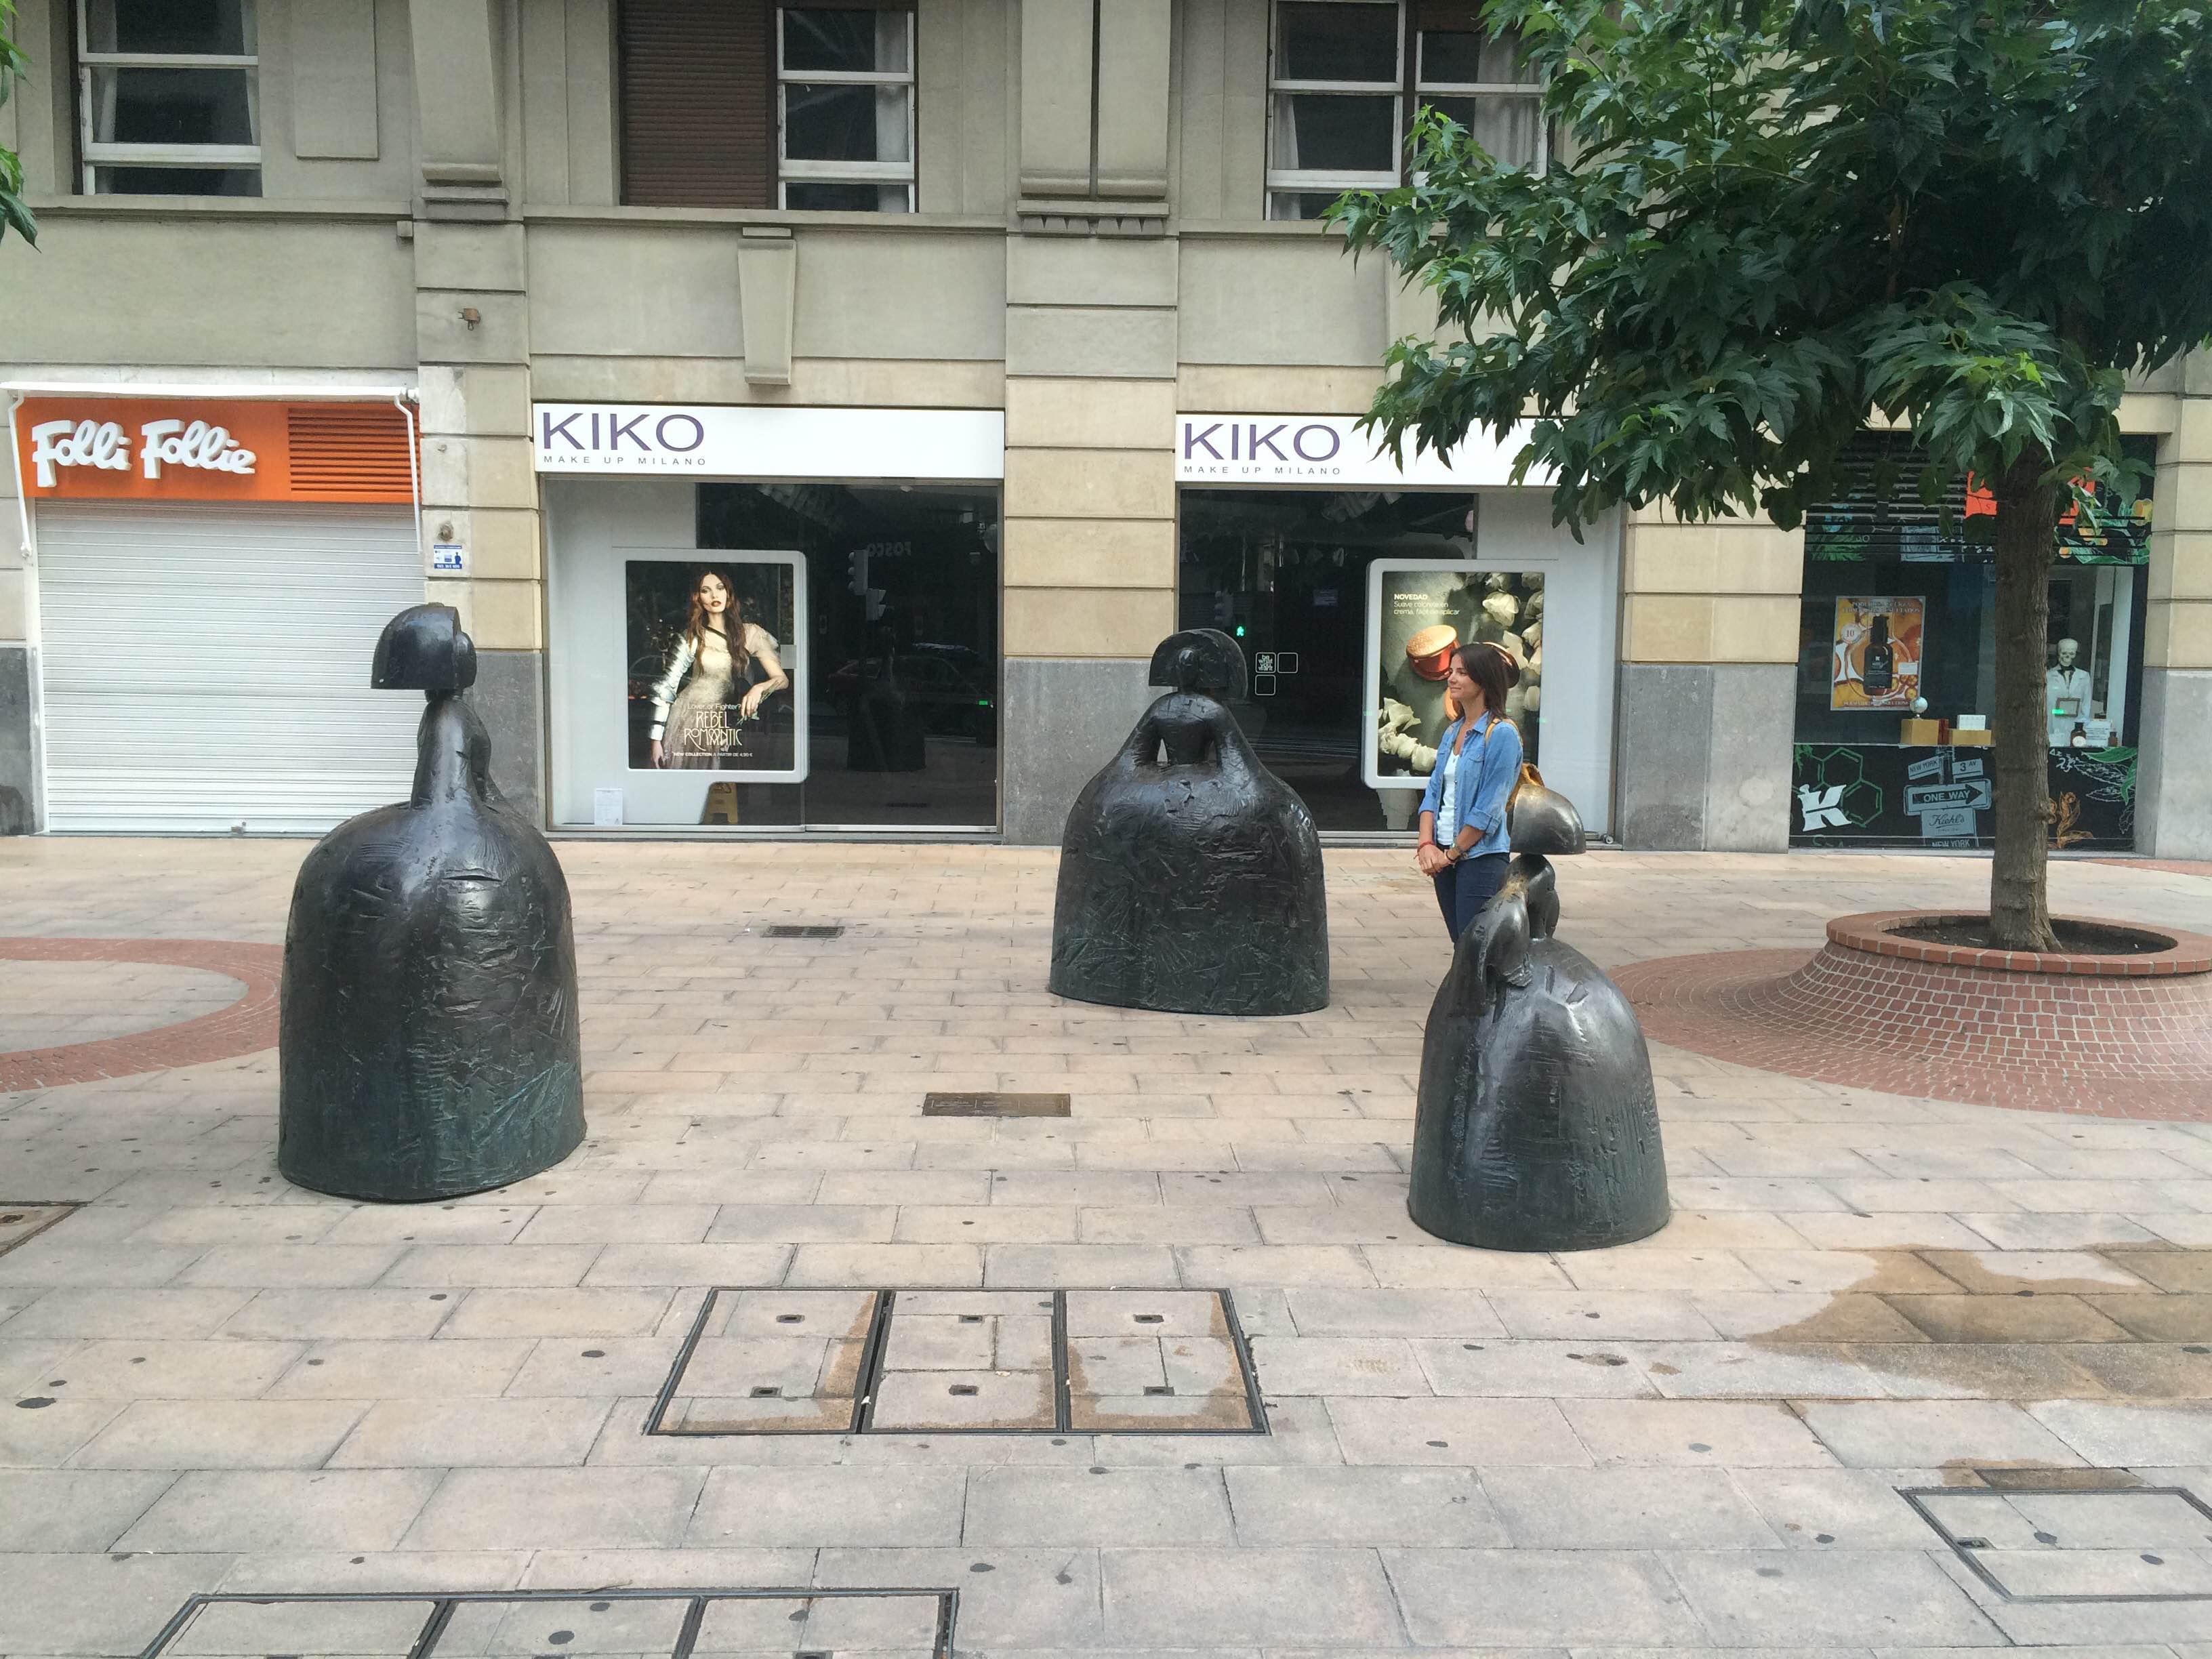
(2114,1036)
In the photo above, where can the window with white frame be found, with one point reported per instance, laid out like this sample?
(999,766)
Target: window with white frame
(168,102)
(845,108)
(1344,77)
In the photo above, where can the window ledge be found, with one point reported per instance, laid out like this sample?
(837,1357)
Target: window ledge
(216,206)
(725,218)
(1247,227)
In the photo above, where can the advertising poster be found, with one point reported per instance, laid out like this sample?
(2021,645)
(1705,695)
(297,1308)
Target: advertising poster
(713,648)
(1875,659)
(1420,612)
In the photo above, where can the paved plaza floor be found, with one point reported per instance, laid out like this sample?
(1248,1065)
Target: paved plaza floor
(1902,1374)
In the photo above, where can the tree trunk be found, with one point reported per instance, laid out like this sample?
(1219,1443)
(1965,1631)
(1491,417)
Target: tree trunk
(2026,533)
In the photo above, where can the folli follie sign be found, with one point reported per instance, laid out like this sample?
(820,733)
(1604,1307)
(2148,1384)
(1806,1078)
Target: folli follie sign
(225,449)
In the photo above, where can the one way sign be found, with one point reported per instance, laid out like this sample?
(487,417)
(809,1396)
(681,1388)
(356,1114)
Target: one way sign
(1972,793)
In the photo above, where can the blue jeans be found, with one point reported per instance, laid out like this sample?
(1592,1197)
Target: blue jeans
(1464,888)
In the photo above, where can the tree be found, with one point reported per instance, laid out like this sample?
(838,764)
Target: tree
(12,65)
(1972,215)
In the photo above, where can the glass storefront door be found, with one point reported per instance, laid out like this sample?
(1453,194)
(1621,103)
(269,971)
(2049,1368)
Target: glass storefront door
(1349,605)
(775,655)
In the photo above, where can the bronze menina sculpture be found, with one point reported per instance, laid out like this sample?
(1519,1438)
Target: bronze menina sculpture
(1537,1128)
(1190,876)
(428,1044)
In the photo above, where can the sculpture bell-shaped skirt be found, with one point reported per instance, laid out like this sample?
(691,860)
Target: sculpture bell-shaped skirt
(1191,884)
(1536,1127)
(429,1043)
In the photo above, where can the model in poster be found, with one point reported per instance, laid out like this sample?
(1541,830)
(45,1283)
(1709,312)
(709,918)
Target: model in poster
(732,668)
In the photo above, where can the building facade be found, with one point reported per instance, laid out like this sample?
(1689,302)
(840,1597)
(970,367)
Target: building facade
(818,413)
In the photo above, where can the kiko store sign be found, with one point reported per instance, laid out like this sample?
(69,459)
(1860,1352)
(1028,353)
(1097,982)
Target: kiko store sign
(710,441)
(1329,451)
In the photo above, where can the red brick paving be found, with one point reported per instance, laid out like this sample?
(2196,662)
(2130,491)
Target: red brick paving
(247,1026)
(2107,1047)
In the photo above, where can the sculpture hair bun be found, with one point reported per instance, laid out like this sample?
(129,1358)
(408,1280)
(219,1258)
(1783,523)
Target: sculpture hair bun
(1543,820)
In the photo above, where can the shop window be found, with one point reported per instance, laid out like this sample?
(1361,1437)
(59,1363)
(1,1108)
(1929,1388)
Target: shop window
(745,104)
(897,644)
(1344,74)
(1348,606)
(1897,669)
(845,108)
(168,98)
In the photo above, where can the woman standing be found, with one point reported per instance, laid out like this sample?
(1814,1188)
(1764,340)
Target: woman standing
(721,651)
(1464,835)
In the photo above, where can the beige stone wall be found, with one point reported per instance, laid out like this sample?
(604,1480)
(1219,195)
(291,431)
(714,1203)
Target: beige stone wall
(1725,591)
(479,483)
(1089,501)
(2178,633)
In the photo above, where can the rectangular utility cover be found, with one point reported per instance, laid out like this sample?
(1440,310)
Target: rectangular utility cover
(19,1223)
(2144,1544)
(995,1105)
(775,1362)
(638,1624)
(963,1361)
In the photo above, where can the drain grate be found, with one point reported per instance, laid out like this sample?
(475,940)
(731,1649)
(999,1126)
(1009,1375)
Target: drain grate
(765,1361)
(638,1624)
(805,930)
(987,1104)
(2072,1543)
(21,1223)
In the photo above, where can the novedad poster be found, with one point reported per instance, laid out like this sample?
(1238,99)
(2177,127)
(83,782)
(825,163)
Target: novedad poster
(1877,651)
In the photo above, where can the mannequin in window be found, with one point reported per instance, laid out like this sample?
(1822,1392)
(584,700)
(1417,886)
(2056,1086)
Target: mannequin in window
(2065,693)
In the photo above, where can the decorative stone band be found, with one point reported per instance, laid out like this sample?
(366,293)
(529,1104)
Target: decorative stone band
(2190,953)
(246,1026)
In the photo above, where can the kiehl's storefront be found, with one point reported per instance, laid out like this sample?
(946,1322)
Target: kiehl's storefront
(769,620)
(208,578)
(1897,670)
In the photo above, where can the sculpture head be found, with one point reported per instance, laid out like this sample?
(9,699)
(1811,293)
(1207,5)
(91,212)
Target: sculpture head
(1201,660)
(1544,821)
(424,649)
(2067,650)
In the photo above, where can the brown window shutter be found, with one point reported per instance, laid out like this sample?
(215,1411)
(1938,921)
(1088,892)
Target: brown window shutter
(1459,16)
(698,89)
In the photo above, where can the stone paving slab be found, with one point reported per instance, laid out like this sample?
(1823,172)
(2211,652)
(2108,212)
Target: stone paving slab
(1688,1446)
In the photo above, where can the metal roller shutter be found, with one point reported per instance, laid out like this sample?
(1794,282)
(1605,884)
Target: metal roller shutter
(205,666)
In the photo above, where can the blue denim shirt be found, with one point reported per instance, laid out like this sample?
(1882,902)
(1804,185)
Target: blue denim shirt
(1487,772)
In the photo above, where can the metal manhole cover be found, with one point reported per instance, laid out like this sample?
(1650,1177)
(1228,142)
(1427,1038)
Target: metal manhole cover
(805,930)
(21,1223)
(638,1624)
(765,1361)
(2067,1544)
(988,1104)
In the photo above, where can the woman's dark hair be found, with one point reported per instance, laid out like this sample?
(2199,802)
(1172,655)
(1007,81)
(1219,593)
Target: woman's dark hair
(695,626)
(1491,668)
